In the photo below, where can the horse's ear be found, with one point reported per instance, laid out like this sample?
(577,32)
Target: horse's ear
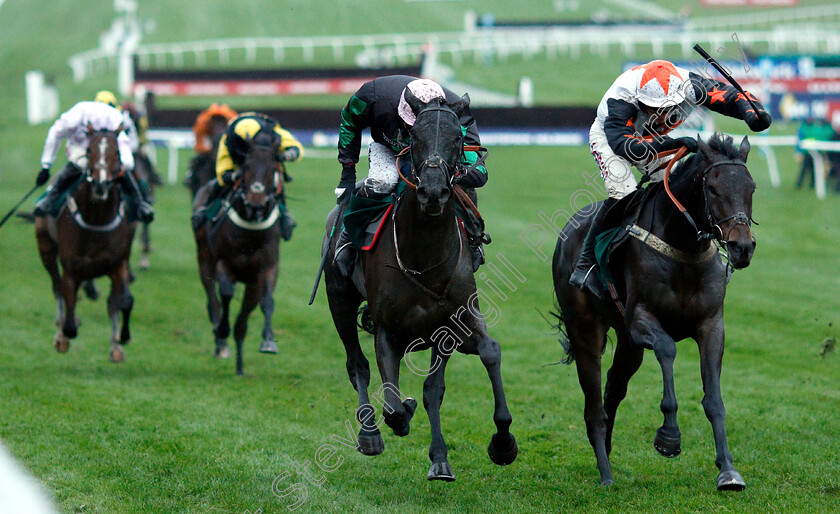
(461,105)
(705,149)
(89,129)
(744,149)
(415,103)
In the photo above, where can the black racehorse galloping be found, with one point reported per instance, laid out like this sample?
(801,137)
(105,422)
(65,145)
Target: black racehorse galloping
(243,245)
(421,293)
(91,237)
(671,281)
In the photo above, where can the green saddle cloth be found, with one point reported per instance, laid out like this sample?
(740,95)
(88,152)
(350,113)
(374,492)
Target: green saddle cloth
(603,244)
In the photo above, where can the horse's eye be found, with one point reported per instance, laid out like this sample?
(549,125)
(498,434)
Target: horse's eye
(713,191)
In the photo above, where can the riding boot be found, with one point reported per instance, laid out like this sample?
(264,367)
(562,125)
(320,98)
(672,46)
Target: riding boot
(583,273)
(287,225)
(143,211)
(345,254)
(65,178)
(199,216)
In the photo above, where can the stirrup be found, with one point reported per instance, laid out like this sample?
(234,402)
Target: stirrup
(345,263)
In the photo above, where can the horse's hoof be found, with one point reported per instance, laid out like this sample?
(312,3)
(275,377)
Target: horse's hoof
(61,344)
(410,405)
(144,263)
(268,346)
(116,355)
(371,444)
(606,482)
(441,471)
(730,481)
(667,446)
(89,287)
(222,352)
(504,452)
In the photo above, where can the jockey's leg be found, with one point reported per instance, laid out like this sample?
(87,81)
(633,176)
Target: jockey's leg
(619,181)
(381,180)
(287,224)
(65,178)
(143,211)
(198,217)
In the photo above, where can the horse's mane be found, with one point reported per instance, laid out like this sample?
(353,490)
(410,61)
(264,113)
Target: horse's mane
(721,144)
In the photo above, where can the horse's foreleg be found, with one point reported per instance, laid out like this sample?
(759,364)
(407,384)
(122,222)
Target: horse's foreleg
(710,340)
(69,327)
(397,414)
(207,275)
(119,301)
(48,251)
(250,300)
(433,389)
(268,344)
(503,449)
(146,246)
(626,361)
(646,329)
(222,325)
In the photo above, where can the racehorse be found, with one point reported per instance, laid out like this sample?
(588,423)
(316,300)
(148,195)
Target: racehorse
(670,283)
(421,294)
(147,179)
(203,165)
(243,245)
(91,237)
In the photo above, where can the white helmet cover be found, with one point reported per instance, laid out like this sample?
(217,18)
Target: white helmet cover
(425,90)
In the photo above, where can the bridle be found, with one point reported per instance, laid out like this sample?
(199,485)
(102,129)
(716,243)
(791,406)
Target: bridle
(105,135)
(740,217)
(433,160)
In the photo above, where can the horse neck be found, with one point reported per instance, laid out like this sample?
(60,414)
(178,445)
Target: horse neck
(97,212)
(670,224)
(425,240)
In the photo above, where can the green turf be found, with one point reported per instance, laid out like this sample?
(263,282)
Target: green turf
(173,430)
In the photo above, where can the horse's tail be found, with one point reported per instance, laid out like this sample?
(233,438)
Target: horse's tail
(562,336)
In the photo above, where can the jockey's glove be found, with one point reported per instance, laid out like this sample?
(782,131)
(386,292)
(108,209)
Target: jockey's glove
(758,122)
(230,177)
(689,142)
(43,177)
(290,154)
(342,192)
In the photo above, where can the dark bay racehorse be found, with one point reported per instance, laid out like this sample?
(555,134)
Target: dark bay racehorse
(203,165)
(91,238)
(147,179)
(421,293)
(243,245)
(672,287)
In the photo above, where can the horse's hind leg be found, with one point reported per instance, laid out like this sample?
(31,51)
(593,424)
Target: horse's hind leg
(645,329)
(710,340)
(119,301)
(502,449)
(249,301)
(397,413)
(626,361)
(268,344)
(433,389)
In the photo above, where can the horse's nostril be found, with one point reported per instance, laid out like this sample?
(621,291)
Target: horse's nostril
(444,196)
(422,194)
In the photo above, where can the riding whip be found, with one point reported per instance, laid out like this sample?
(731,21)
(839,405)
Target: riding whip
(711,60)
(326,252)
(25,197)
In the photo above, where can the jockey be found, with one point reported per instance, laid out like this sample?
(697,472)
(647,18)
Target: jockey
(380,105)
(233,149)
(72,126)
(643,104)
(201,128)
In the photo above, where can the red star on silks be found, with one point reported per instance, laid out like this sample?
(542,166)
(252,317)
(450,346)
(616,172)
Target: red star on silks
(630,123)
(749,95)
(659,71)
(717,95)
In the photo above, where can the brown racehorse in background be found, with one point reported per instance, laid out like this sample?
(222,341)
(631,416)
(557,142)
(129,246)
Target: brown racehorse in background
(147,179)
(243,245)
(672,283)
(91,237)
(203,165)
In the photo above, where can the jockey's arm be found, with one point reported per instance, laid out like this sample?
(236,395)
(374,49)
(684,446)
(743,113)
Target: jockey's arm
(477,176)
(353,122)
(621,134)
(224,162)
(59,131)
(725,99)
(126,155)
(290,148)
